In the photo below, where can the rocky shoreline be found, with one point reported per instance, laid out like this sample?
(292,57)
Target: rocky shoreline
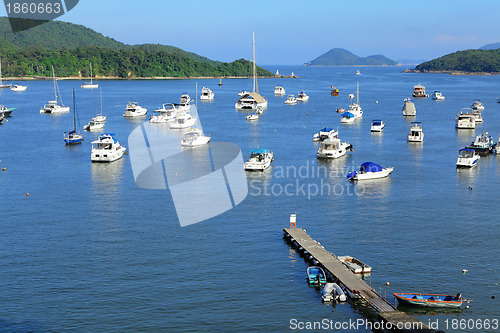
(450,72)
(36,78)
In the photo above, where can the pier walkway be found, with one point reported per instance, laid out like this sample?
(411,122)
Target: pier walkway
(355,287)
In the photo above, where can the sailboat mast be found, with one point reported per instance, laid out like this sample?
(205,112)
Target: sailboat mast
(54,78)
(91,73)
(100,93)
(0,70)
(255,86)
(74,111)
(357,92)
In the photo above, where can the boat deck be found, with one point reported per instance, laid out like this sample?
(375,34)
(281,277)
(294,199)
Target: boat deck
(350,281)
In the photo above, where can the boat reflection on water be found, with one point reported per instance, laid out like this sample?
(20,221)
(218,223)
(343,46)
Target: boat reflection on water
(423,311)
(106,176)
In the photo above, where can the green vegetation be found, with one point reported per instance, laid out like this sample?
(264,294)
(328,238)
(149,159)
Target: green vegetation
(341,57)
(469,61)
(70,48)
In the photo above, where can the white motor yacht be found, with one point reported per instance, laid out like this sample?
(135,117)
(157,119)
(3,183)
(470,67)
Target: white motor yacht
(409,109)
(279,90)
(478,117)
(106,149)
(302,96)
(185,102)
(419,91)
(166,113)
(252,116)
(370,170)
(416,134)
(377,125)
(206,94)
(467,158)
(260,159)
(134,110)
(437,96)
(333,148)
(183,120)
(477,105)
(291,100)
(18,87)
(465,120)
(324,134)
(194,137)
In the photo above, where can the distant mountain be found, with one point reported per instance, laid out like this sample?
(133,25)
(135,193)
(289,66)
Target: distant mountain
(411,61)
(341,57)
(492,46)
(56,35)
(468,61)
(70,48)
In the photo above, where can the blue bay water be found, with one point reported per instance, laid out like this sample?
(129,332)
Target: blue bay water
(89,251)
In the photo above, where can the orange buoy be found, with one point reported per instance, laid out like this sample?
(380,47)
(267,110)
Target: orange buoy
(27,194)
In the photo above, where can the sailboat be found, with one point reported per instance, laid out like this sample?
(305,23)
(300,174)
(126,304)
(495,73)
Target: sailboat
(90,85)
(252,100)
(71,137)
(220,82)
(98,121)
(2,86)
(52,106)
(355,108)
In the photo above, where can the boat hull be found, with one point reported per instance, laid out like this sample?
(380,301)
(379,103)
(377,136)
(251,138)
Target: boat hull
(429,300)
(372,175)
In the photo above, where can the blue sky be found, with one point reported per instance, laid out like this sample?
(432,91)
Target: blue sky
(294,32)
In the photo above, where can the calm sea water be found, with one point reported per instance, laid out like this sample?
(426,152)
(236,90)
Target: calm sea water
(89,251)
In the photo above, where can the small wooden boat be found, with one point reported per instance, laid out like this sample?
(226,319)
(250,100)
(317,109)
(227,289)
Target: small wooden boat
(355,265)
(430,300)
(316,276)
(334,91)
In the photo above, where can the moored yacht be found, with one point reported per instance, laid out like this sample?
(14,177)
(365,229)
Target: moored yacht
(106,149)
(324,134)
(194,137)
(437,96)
(166,113)
(483,143)
(206,94)
(355,108)
(370,170)
(6,111)
(333,148)
(302,96)
(347,118)
(419,91)
(260,159)
(279,90)
(477,105)
(134,110)
(18,87)
(291,100)
(478,117)
(416,134)
(183,120)
(377,125)
(252,116)
(98,121)
(52,106)
(467,158)
(185,102)
(409,109)
(90,85)
(465,120)
(254,99)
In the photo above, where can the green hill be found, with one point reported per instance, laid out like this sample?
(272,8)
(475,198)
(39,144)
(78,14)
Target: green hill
(71,47)
(469,61)
(341,57)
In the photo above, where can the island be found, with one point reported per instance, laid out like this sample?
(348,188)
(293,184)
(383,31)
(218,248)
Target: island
(471,62)
(341,57)
(70,48)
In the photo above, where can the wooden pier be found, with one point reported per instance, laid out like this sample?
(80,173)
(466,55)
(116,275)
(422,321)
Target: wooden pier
(396,320)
